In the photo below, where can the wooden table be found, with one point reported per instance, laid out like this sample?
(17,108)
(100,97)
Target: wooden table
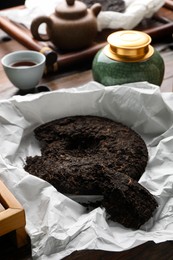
(74,78)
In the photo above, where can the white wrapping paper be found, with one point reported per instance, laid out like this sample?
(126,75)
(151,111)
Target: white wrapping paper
(135,12)
(57,225)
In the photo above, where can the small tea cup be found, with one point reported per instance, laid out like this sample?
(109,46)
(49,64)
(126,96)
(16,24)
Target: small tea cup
(24,68)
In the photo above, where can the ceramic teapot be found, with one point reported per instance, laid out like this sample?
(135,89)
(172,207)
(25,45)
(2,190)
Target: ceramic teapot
(72,26)
(128,57)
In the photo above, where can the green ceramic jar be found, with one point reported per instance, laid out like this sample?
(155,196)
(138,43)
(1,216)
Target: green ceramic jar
(128,57)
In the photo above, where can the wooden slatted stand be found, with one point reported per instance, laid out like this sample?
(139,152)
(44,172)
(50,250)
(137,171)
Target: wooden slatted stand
(12,216)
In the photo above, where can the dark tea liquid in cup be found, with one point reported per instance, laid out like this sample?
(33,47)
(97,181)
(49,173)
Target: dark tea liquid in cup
(23,64)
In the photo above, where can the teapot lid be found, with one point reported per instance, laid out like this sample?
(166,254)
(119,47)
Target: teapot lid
(71,9)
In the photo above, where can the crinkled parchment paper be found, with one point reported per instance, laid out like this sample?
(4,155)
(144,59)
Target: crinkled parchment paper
(136,11)
(57,225)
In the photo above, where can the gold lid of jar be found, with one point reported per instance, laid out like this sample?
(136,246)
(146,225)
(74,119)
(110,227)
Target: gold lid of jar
(129,46)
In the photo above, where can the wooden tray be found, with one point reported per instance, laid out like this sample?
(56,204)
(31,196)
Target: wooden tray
(159,27)
(12,216)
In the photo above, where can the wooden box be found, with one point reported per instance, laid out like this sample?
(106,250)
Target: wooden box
(12,216)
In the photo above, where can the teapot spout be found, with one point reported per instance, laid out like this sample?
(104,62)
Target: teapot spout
(96,8)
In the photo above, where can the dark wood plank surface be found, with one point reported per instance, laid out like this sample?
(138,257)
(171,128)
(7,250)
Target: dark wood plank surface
(74,77)
(149,250)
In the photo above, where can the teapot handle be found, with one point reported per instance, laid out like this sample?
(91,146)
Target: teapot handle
(35,27)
